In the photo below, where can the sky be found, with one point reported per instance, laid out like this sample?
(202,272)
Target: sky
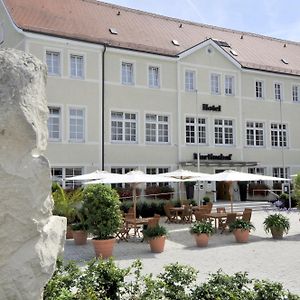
(275,18)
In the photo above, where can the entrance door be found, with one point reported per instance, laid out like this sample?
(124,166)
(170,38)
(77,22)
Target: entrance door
(222,188)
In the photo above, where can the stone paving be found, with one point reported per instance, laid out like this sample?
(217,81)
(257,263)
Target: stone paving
(262,257)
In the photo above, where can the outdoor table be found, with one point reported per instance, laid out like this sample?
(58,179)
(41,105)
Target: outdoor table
(136,222)
(176,210)
(220,215)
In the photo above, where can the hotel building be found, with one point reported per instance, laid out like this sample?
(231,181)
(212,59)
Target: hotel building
(133,90)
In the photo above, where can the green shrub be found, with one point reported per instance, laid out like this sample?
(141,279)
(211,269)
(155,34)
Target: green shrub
(202,227)
(102,208)
(277,222)
(241,224)
(152,232)
(103,279)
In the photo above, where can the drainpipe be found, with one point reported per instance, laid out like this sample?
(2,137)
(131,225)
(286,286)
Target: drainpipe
(103,102)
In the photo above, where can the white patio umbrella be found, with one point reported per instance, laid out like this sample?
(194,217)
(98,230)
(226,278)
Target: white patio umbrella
(96,175)
(134,177)
(230,176)
(187,175)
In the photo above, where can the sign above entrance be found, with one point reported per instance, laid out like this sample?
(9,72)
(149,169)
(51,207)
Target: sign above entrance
(212,156)
(211,107)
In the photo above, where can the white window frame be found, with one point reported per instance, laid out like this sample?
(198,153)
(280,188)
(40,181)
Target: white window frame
(215,89)
(67,184)
(277,143)
(229,85)
(77,140)
(152,83)
(155,171)
(59,123)
(121,170)
(257,92)
(257,170)
(278,91)
(255,134)
(190,81)
(197,130)
(60,62)
(225,128)
(278,172)
(296,93)
(77,55)
(157,127)
(124,122)
(126,82)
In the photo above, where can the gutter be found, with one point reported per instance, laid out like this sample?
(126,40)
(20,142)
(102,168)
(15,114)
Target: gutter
(103,103)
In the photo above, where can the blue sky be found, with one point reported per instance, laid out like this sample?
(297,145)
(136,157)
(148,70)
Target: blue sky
(276,18)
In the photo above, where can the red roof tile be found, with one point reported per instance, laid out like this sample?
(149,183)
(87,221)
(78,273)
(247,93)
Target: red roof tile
(90,20)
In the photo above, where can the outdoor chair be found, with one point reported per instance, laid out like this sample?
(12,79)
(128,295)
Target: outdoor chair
(247,213)
(186,216)
(123,232)
(231,217)
(208,206)
(200,214)
(170,217)
(221,222)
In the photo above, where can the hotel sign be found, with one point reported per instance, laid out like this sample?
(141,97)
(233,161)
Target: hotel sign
(212,156)
(211,107)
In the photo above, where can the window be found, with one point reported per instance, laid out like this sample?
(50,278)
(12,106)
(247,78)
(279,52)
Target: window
(223,132)
(259,87)
(120,170)
(192,133)
(127,73)
(296,93)
(157,128)
(59,174)
(154,77)
(190,80)
(278,135)
(278,91)
(255,134)
(260,171)
(77,67)
(77,124)
(215,83)
(54,124)
(53,62)
(229,85)
(278,172)
(123,127)
(154,171)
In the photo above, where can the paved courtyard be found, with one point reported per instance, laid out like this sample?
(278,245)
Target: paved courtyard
(262,257)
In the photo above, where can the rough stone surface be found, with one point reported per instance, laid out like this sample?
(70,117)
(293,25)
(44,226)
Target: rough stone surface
(30,237)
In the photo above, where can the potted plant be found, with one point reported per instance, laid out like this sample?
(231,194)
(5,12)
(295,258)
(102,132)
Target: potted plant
(79,228)
(202,231)
(241,230)
(101,206)
(205,200)
(277,224)
(156,237)
(65,203)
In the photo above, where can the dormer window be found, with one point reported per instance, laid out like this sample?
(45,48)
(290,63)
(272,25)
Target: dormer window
(175,42)
(113,31)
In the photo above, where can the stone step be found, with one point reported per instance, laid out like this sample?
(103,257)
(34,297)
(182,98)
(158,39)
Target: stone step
(239,206)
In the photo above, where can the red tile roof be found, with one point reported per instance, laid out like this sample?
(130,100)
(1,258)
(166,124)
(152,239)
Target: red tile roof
(90,20)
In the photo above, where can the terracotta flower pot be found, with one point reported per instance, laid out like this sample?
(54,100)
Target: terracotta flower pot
(277,234)
(104,248)
(69,233)
(80,237)
(201,239)
(157,244)
(241,236)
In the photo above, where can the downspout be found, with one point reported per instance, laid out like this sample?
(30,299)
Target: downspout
(103,102)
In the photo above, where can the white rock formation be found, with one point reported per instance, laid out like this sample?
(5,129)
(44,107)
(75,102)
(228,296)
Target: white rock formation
(30,237)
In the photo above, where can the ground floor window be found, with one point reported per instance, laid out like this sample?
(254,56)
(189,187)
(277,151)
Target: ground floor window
(157,171)
(280,172)
(60,173)
(120,170)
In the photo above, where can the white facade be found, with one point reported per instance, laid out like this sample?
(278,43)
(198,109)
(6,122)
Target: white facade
(151,103)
